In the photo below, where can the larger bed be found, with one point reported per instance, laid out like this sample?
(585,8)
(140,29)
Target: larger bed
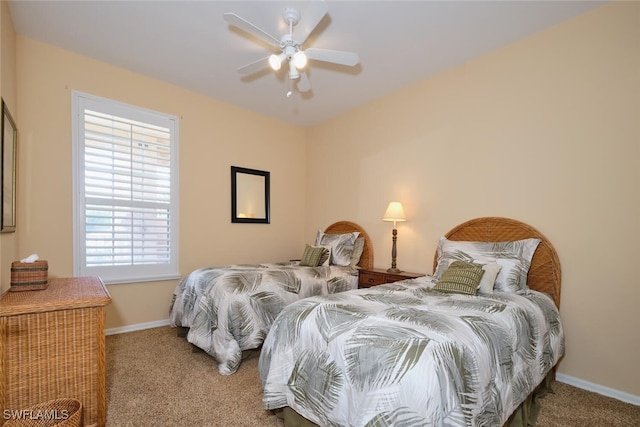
(425,352)
(229,309)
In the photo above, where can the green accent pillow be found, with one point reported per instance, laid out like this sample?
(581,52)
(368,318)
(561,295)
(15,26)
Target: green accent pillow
(460,278)
(314,256)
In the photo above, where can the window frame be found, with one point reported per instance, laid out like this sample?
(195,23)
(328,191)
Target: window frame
(129,273)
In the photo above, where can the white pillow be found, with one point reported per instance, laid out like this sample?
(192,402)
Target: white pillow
(358,248)
(326,261)
(514,257)
(341,246)
(491,271)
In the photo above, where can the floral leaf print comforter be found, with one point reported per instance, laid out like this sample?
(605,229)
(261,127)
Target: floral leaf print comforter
(405,354)
(230,309)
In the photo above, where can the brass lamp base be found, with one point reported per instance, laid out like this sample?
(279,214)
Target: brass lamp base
(393,270)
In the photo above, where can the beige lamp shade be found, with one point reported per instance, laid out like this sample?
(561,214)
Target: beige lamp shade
(394,213)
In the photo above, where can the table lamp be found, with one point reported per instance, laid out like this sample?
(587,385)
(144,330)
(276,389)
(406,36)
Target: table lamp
(394,213)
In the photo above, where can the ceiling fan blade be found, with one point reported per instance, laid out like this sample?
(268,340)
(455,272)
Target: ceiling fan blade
(254,66)
(334,56)
(309,20)
(247,26)
(304,85)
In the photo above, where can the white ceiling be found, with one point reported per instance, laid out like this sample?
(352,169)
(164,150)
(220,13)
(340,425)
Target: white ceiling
(188,43)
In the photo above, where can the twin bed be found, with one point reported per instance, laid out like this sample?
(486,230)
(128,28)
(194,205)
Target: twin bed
(425,352)
(229,309)
(459,348)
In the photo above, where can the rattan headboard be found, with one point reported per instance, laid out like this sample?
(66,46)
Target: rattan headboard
(340,227)
(544,273)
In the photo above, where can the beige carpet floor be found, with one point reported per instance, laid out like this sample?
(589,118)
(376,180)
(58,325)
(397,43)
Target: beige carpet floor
(155,378)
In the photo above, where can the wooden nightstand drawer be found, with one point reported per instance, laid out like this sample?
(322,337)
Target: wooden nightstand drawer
(378,276)
(368,278)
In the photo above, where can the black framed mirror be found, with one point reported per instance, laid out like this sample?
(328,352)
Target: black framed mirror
(249,195)
(8,174)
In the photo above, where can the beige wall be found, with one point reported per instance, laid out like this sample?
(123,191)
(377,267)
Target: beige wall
(8,241)
(213,136)
(546,131)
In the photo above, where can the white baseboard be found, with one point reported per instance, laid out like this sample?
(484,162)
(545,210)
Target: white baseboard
(137,327)
(567,379)
(596,388)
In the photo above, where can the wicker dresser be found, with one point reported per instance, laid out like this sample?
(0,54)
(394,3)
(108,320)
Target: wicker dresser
(52,345)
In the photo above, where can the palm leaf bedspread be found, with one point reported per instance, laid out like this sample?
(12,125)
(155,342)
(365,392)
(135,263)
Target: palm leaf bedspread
(230,309)
(404,354)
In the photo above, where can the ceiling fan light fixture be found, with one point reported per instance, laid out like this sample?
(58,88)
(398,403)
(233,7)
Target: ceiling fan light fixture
(300,59)
(296,58)
(275,61)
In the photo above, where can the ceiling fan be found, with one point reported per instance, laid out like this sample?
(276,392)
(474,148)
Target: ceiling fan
(290,44)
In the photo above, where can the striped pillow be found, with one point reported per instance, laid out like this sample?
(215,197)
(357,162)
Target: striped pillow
(460,278)
(314,256)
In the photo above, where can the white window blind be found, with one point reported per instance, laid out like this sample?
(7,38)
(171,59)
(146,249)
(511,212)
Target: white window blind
(125,187)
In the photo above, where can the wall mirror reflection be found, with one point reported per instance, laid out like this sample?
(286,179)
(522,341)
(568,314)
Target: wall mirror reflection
(249,195)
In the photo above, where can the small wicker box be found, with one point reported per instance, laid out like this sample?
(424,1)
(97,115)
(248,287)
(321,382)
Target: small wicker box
(29,276)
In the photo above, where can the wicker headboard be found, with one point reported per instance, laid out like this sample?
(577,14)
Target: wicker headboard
(341,227)
(544,273)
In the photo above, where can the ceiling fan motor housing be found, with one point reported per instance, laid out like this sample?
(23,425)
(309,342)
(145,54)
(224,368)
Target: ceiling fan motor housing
(291,16)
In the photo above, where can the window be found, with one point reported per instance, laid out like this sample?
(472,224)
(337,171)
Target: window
(125,191)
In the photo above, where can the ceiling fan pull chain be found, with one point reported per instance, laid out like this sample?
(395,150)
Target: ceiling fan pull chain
(289,88)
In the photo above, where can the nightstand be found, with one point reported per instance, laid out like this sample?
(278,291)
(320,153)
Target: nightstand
(378,276)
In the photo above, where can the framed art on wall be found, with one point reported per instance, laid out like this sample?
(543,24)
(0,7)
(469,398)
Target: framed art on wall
(8,175)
